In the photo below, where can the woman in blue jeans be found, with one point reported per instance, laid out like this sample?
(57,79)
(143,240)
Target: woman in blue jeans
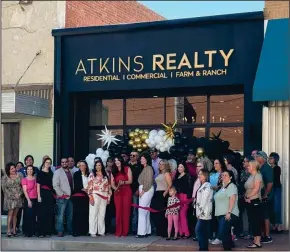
(203,208)
(226,208)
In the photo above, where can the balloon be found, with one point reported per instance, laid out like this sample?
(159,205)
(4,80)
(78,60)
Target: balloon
(172,149)
(137,140)
(146,131)
(99,152)
(106,153)
(152,142)
(136,130)
(162,149)
(141,131)
(139,145)
(144,146)
(131,134)
(139,150)
(157,146)
(177,135)
(161,133)
(177,141)
(157,139)
(131,142)
(152,133)
(166,145)
(144,136)
(161,144)
(147,141)
(134,146)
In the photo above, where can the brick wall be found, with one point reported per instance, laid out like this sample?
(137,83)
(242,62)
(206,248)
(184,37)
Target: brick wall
(94,13)
(276,9)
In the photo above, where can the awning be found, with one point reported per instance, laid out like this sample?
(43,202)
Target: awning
(272,77)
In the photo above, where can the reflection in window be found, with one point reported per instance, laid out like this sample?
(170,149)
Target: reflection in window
(186,110)
(144,111)
(190,132)
(106,112)
(226,108)
(235,136)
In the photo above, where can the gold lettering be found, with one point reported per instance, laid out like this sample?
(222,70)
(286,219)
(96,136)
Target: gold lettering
(210,53)
(81,68)
(138,63)
(158,59)
(170,61)
(121,62)
(103,66)
(92,64)
(226,57)
(184,62)
(196,65)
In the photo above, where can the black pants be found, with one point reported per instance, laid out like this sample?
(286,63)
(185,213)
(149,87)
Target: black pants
(110,214)
(228,243)
(159,202)
(80,220)
(255,216)
(29,217)
(19,216)
(213,228)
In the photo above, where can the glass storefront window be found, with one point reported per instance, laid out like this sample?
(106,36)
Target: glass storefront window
(234,135)
(227,108)
(189,132)
(144,111)
(106,112)
(186,110)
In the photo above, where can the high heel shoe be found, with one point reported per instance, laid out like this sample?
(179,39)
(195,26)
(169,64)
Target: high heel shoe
(9,235)
(15,234)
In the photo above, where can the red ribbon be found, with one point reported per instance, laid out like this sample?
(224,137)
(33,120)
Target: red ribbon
(55,196)
(181,203)
(103,197)
(79,195)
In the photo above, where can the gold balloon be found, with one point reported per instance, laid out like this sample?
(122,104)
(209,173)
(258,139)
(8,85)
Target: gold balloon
(144,136)
(141,131)
(131,134)
(134,146)
(131,142)
(144,146)
(137,130)
(136,134)
(139,150)
(200,151)
(146,131)
(137,140)
(139,145)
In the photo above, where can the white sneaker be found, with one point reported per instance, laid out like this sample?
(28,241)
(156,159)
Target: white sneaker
(216,242)
(93,235)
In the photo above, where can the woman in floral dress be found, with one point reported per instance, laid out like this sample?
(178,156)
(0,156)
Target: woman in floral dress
(99,191)
(12,189)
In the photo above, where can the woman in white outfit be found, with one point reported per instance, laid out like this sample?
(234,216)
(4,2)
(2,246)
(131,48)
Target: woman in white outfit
(146,192)
(99,191)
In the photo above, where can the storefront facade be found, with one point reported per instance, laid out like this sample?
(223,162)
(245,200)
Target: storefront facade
(166,60)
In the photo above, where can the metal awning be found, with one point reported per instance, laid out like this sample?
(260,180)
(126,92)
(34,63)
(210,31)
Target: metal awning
(26,100)
(272,77)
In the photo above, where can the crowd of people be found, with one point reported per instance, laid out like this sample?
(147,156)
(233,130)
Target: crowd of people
(212,201)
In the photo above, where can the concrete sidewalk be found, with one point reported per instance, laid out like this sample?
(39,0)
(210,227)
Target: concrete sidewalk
(112,243)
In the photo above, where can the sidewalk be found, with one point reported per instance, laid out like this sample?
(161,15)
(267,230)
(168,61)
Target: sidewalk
(111,243)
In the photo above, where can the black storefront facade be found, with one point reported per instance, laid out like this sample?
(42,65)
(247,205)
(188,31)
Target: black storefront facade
(202,56)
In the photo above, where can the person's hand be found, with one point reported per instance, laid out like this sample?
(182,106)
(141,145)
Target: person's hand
(108,200)
(164,195)
(29,203)
(141,194)
(228,216)
(121,182)
(92,202)
(85,190)
(137,193)
(39,199)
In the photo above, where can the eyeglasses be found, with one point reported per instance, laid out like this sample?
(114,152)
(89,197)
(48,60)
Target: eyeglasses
(132,155)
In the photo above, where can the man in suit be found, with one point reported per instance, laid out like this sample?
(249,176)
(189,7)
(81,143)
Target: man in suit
(63,186)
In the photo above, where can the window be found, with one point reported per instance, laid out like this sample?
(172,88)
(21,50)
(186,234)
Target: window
(106,112)
(144,111)
(227,108)
(234,135)
(186,110)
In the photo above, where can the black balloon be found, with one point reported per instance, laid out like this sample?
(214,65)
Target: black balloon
(177,135)
(172,149)
(177,141)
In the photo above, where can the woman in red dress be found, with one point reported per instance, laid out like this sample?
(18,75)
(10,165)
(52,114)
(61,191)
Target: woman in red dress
(121,180)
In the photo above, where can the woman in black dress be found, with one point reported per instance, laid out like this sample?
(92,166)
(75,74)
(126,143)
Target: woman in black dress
(80,200)
(46,201)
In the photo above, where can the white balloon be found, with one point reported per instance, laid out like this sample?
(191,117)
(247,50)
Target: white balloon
(161,144)
(152,142)
(166,145)
(157,139)
(106,153)
(162,149)
(161,133)
(153,133)
(157,147)
(147,141)
(99,152)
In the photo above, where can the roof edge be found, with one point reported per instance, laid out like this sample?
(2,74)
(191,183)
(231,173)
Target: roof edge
(257,15)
